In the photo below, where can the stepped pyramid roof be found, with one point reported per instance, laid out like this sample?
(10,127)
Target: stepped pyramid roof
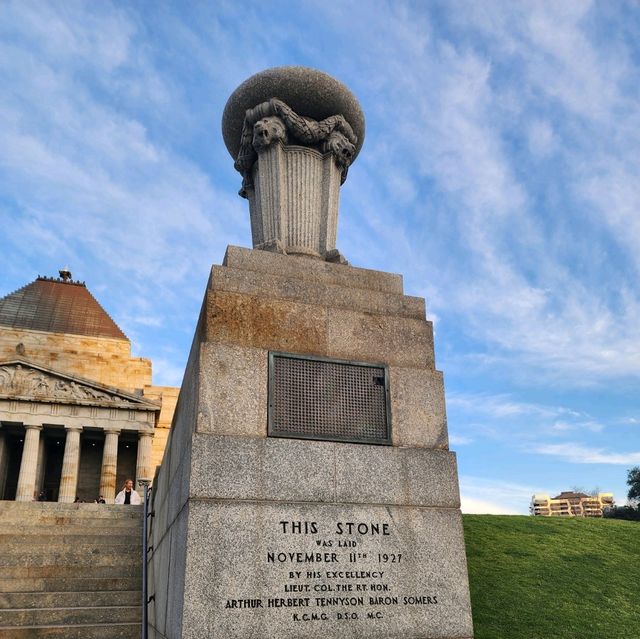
(57,305)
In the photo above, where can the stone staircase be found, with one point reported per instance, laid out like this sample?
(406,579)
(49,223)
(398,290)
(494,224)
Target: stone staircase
(71,571)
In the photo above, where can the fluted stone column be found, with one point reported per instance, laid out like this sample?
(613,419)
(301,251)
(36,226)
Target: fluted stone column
(4,459)
(40,467)
(109,466)
(70,465)
(29,463)
(143,464)
(294,200)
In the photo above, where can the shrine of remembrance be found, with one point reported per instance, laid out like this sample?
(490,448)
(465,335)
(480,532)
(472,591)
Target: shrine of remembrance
(78,414)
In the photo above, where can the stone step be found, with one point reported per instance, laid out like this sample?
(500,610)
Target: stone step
(69,584)
(14,525)
(73,557)
(63,538)
(38,544)
(16,572)
(70,571)
(84,631)
(53,510)
(70,599)
(114,520)
(55,506)
(20,617)
(113,529)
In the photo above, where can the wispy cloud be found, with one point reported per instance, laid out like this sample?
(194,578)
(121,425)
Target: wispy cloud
(576,453)
(505,406)
(518,270)
(487,496)
(499,175)
(459,440)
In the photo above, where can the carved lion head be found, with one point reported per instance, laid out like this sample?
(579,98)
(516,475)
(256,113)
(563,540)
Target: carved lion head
(342,149)
(267,131)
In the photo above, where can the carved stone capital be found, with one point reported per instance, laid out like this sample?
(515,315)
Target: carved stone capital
(274,121)
(78,429)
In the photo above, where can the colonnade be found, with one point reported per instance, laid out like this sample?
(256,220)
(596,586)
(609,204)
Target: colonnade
(27,477)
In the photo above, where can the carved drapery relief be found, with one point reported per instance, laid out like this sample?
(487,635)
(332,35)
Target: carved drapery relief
(21,381)
(274,121)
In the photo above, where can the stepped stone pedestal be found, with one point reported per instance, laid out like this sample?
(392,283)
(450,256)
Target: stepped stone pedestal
(258,536)
(307,489)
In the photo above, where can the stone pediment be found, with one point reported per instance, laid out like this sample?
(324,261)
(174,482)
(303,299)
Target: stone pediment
(22,380)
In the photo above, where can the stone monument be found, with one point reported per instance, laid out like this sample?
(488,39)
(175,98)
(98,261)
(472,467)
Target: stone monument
(307,490)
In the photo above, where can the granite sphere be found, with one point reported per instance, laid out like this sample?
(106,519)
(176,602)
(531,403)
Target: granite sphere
(307,91)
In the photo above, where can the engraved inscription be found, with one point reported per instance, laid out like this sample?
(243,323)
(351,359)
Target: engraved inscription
(346,571)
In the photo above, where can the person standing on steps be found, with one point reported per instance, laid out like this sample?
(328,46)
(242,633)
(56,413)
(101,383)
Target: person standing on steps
(127,495)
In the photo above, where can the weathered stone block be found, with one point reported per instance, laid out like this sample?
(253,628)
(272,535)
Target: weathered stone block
(307,270)
(274,324)
(252,499)
(262,468)
(266,323)
(399,476)
(418,407)
(293,470)
(395,341)
(316,292)
(398,573)
(233,387)
(177,571)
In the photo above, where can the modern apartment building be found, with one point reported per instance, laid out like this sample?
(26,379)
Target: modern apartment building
(570,504)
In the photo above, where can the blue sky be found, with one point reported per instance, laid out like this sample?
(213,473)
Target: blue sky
(499,175)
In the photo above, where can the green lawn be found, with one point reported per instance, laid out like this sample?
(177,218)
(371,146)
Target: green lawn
(543,578)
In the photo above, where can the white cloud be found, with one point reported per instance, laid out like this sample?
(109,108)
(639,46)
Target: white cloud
(166,373)
(503,406)
(535,263)
(542,140)
(521,276)
(576,453)
(481,495)
(471,506)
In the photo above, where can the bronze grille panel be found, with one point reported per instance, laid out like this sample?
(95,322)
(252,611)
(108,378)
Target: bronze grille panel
(319,398)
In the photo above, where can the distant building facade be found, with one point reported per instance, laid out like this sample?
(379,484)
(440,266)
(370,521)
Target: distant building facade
(78,414)
(571,504)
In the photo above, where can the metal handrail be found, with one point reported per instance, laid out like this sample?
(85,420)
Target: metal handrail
(145,550)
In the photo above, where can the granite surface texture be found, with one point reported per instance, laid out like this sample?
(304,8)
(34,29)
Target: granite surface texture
(294,470)
(250,532)
(247,282)
(399,573)
(298,269)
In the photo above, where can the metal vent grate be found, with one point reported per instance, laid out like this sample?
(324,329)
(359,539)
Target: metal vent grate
(317,398)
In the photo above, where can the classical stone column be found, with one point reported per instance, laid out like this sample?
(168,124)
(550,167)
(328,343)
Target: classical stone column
(29,463)
(40,467)
(4,459)
(143,465)
(109,466)
(70,465)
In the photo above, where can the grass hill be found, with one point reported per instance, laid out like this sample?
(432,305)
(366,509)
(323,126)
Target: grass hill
(544,578)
